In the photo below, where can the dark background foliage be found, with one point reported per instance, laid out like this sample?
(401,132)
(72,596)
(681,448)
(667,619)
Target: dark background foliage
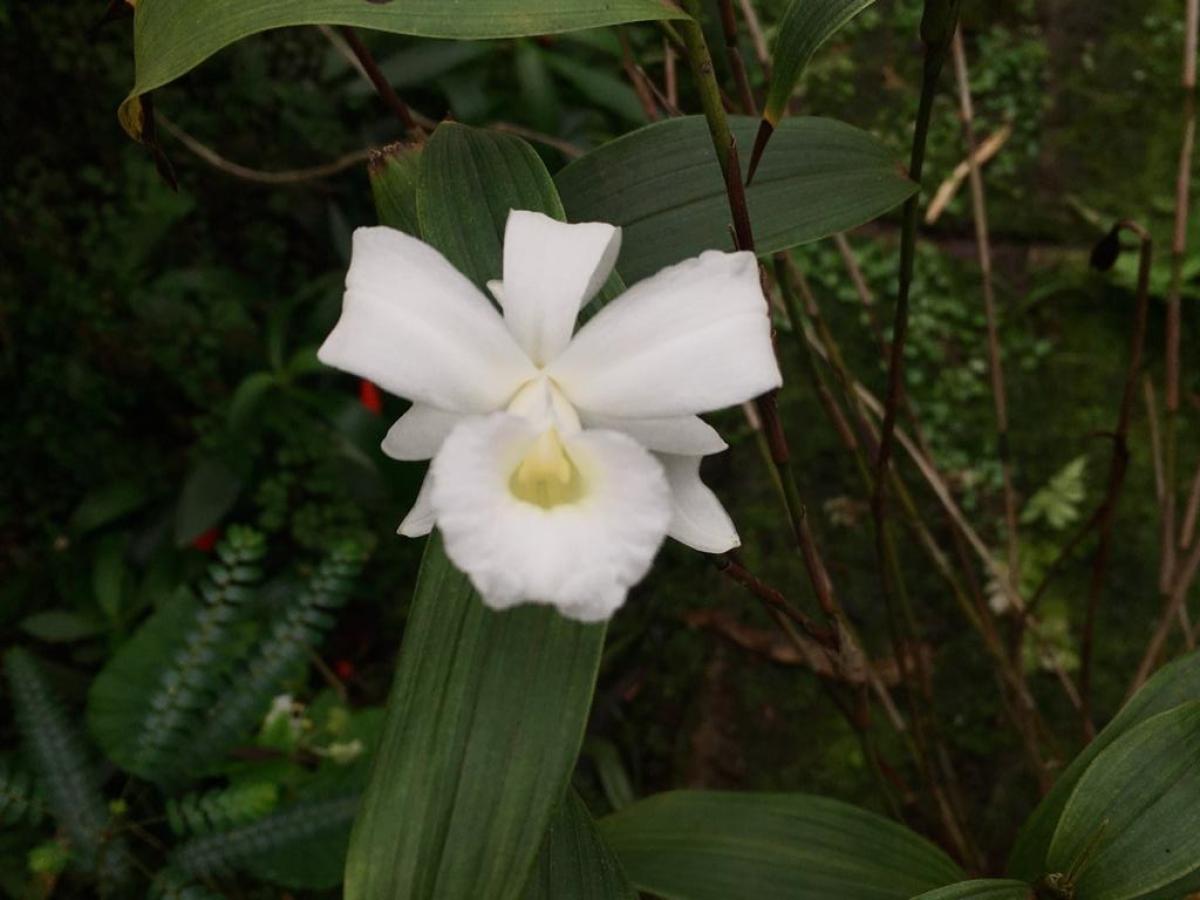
(159,383)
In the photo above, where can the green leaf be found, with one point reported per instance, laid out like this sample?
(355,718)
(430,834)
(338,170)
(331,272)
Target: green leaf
(484,721)
(172,37)
(1130,825)
(62,626)
(107,504)
(208,494)
(986,889)
(575,863)
(663,185)
(709,845)
(110,576)
(393,172)
(805,26)
(248,397)
(1173,685)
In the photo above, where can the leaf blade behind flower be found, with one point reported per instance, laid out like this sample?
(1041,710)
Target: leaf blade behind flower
(487,711)
(662,184)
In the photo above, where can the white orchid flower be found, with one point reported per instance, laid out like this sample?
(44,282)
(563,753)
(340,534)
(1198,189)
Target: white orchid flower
(560,462)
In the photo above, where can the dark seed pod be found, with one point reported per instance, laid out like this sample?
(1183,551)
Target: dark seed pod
(1105,253)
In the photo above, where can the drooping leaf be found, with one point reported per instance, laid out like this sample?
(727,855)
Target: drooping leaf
(62,625)
(1130,825)
(172,37)
(574,862)
(1173,685)
(985,889)
(710,845)
(484,722)
(107,504)
(664,186)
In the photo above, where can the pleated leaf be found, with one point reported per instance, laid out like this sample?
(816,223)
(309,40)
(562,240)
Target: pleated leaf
(1173,685)
(664,186)
(709,845)
(575,863)
(1131,825)
(172,37)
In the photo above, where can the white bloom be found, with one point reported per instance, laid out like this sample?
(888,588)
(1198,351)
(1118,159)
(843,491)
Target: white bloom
(560,462)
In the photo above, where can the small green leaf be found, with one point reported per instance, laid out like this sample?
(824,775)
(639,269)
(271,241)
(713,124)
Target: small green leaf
(110,576)
(1130,826)
(662,184)
(247,398)
(574,862)
(107,504)
(708,845)
(62,626)
(986,889)
(171,37)
(1173,685)
(393,172)
(209,493)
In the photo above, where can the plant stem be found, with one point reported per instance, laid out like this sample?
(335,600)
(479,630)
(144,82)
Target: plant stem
(736,63)
(1116,474)
(995,363)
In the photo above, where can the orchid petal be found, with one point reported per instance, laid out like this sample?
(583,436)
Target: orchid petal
(419,329)
(697,517)
(420,519)
(693,338)
(685,435)
(551,269)
(580,556)
(419,432)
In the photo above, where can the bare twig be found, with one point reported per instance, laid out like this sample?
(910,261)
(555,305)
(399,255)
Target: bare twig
(980,156)
(670,76)
(1156,452)
(1188,532)
(1116,473)
(862,289)
(735,571)
(995,363)
(566,148)
(259,176)
(1175,600)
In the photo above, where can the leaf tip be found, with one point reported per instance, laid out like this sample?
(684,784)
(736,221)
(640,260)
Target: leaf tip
(765,129)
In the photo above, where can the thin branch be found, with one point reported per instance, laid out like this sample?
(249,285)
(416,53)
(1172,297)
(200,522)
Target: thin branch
(730,31)
(382,86)
(1116,473)
(1156,452)
(566,148)
(995,363)
(259,176)
(735,571)
(1188,533)
(1175,600)
(670,77)
(757,38)
(637,77)
(850,260)
(979,157)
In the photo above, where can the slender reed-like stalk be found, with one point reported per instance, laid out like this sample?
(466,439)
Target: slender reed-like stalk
(1116,473)
(995,362)
(379,81)
(741,78)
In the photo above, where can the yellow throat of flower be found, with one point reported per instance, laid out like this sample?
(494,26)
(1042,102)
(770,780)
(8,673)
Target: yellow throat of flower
(546,476)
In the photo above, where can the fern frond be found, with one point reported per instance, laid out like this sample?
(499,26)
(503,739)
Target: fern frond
(297,629)
(60,760)
(222,809)
(20,796)
(170,884)
(310,834)
(148,700)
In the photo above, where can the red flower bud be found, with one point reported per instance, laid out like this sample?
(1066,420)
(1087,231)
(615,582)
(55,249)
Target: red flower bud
(369,397)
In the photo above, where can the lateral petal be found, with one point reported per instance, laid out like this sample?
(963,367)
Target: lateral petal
(693,338)
(419,329)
